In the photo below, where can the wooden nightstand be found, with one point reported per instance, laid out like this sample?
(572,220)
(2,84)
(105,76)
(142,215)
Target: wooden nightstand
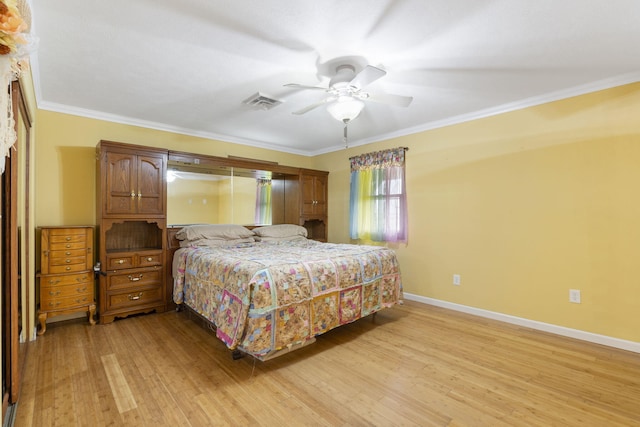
(66,273)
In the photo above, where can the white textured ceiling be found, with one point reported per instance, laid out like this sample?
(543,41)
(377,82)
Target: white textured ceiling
(186,66)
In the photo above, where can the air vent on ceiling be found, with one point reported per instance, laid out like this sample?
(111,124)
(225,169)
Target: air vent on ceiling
(259,101)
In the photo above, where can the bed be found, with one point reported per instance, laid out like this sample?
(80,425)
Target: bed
(271,290)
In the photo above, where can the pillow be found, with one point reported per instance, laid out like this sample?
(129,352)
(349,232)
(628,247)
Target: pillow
(279,239)
(281,230)
(214,231)
(214,242)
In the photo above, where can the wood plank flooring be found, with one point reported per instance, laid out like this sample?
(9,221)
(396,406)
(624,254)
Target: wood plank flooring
(413,365)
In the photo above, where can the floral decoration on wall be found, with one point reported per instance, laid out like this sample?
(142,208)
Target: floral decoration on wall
(11,27)
(15,17)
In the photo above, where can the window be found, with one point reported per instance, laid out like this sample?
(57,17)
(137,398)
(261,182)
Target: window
(378,201)
(263,202)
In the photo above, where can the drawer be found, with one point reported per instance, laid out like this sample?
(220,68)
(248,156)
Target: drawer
(66,245)
(137,279)
(71,267)
(135,297)
(67,253)
(125,260)
(67,260)
(63,233)
(66,280)
(121,261)
(66,302)
(80,289)
(148,259)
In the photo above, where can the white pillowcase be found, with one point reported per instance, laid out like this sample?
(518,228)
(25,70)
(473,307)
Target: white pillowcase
(214,231)
(281,230)
(214,242)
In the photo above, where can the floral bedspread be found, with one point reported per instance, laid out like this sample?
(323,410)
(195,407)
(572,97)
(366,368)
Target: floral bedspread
(267,296)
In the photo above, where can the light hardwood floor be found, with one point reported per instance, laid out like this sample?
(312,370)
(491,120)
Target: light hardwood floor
(413,365)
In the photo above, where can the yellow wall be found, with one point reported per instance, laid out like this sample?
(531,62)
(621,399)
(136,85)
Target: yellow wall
(524,206)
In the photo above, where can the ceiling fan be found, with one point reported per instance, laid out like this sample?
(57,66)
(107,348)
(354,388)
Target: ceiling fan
(346,94)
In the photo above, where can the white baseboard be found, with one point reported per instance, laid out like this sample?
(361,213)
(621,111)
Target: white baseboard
(533,324)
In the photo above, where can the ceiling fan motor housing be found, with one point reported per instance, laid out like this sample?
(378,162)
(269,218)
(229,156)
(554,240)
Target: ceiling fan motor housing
(344,74)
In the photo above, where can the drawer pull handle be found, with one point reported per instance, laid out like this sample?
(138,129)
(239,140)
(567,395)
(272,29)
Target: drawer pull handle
(53,282)
(120,261)
(81,279)
(134,279)
(67,253)
(54,304)
(133,194)
(139,195)
(67,261)
(68,268)
(81,300)
(149,259)
(67,246)
(135,297)
(54,294)
(68,239)
(81,290)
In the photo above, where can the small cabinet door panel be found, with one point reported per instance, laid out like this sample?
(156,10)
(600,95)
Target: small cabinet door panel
(150,185)
(121,179)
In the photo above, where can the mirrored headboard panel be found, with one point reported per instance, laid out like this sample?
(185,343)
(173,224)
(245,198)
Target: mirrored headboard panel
(218,190)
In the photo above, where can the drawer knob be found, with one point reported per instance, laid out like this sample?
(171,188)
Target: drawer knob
(135,297)
(68,238)
(68,268)
(134,279)
(67,246)
(149,259)
(67,253)
(67,261)
(120,261)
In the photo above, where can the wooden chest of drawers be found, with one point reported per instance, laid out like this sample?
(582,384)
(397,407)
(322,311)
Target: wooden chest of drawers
(134,283)
(66,273)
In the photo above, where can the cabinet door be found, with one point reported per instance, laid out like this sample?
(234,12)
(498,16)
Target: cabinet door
(150,184)
(314,195)
(120,186)
(134,184)
(320,195)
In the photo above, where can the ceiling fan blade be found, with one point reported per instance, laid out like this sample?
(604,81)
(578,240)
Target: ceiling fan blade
(296,85)
(368,75)
(312,106)
(391,99)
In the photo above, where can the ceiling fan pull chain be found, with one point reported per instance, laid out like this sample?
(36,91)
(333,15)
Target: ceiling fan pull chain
(344,138)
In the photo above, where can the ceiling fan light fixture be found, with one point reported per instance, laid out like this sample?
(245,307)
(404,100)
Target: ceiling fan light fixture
(345,108)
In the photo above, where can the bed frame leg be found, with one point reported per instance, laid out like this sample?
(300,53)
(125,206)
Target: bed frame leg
(237,354)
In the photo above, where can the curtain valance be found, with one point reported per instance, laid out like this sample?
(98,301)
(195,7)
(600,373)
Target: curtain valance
(378,159)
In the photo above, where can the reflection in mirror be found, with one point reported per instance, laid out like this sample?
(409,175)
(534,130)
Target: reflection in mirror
(218,196)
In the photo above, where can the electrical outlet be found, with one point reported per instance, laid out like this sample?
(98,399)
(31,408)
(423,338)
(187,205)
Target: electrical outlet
(456,279)
(574,296)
